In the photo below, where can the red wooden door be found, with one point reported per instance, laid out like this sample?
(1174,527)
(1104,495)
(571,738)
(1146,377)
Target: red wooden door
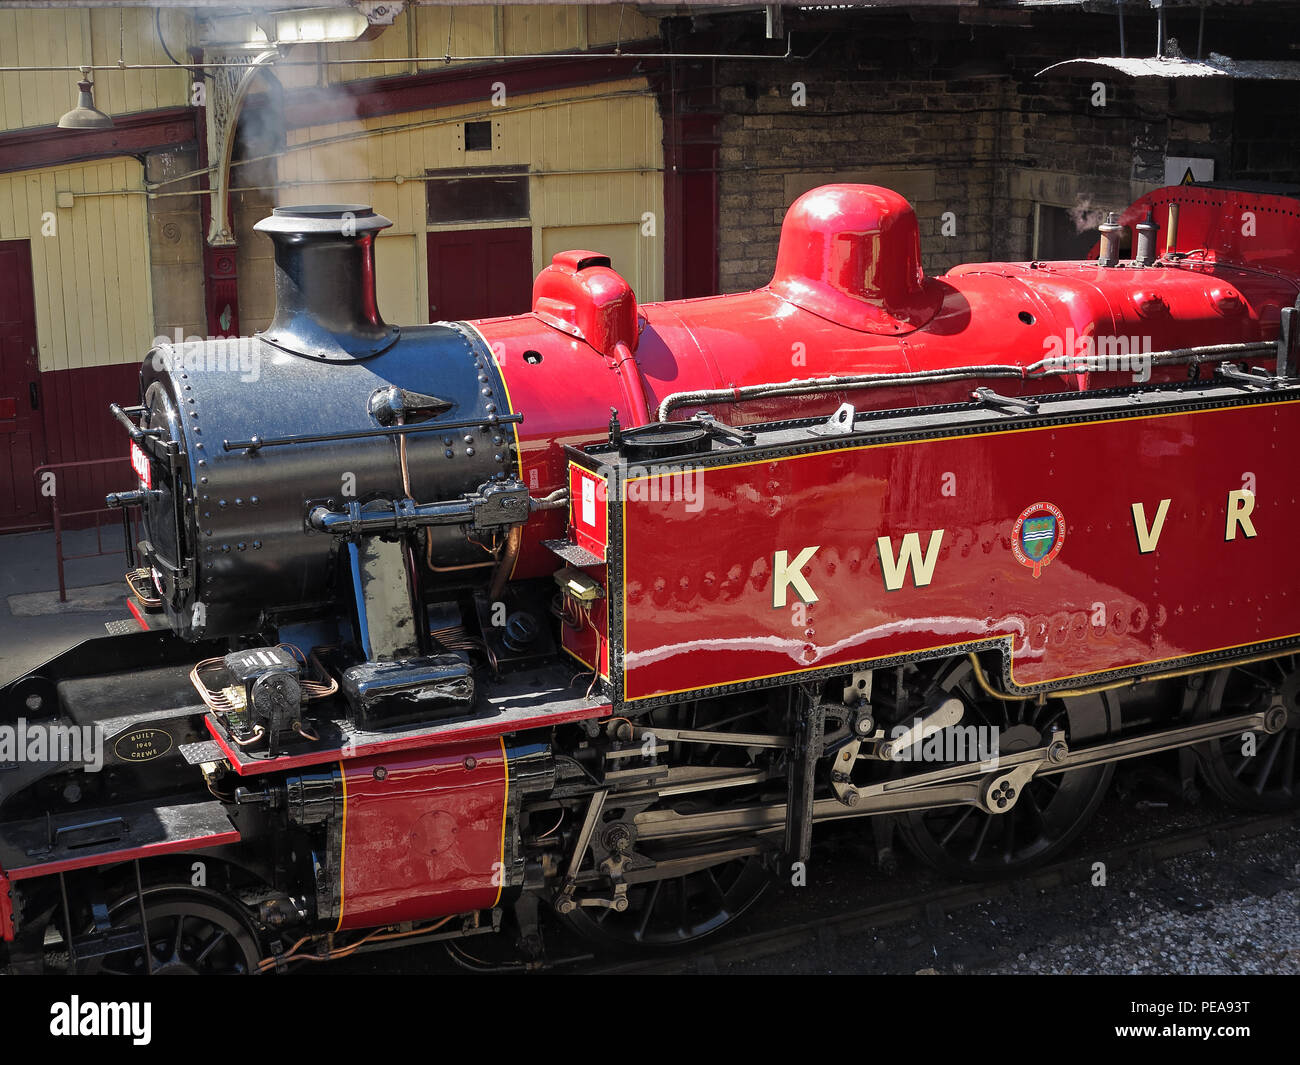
(22,435)
(480,273)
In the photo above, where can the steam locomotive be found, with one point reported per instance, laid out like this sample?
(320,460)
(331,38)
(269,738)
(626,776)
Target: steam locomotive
(593,613)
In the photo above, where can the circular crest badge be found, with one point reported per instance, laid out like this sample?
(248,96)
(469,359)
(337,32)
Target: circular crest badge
(1038,536)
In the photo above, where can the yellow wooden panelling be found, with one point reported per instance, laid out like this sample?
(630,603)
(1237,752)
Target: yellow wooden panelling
(530,30)
(92,278)
(559,136)
(473,31)
(91,272)
(74,36)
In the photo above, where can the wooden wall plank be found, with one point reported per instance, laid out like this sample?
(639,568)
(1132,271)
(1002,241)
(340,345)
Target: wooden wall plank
(91,276)
(11,104)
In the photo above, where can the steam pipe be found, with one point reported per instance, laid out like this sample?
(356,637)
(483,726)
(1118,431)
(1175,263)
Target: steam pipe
(633,387)
(513,541)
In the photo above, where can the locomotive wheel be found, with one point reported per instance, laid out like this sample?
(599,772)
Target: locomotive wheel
(1262,773)
(1051,812)
(191,933)
(676,912)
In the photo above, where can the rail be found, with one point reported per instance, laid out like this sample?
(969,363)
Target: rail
(130,522)
(1034,371)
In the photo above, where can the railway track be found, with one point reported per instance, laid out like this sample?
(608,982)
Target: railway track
(933,905)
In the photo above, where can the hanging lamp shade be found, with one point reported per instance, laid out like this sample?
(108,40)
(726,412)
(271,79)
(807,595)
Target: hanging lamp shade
(85,115)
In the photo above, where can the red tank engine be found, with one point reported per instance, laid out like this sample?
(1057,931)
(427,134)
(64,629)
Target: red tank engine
(592,613)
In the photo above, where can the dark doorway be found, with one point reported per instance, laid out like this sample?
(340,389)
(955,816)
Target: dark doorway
(480,273)
(22,435)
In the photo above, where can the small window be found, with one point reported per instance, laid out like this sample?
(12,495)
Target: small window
(495,194)
(478,136)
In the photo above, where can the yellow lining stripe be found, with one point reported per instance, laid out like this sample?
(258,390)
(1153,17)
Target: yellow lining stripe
(343,843)
(505,813)
(1157,661)
(574,654)
(604,565)
(568,480)
(806,669)
(510,409)
(961,643)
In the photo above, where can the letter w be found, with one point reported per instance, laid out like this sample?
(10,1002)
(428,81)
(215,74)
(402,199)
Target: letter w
(909,557)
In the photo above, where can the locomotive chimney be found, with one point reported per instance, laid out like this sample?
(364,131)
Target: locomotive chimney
(325,304)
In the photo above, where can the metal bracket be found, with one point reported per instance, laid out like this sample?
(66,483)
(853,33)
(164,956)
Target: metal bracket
(1286,338)
(857,694)
(838,424)
(1256,377)
(721,431)
(225,99)
(1010,404)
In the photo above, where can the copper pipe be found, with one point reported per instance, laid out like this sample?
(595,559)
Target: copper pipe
(513,542)
(428,558)
(1129,682)
(401,455)
(258,733)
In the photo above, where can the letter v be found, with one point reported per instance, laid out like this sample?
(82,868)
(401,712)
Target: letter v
(1149,537)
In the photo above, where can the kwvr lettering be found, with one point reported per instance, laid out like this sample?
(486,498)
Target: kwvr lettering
(894,568)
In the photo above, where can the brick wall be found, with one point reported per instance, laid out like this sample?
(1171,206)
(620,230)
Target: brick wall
(893,103)
(936,147)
